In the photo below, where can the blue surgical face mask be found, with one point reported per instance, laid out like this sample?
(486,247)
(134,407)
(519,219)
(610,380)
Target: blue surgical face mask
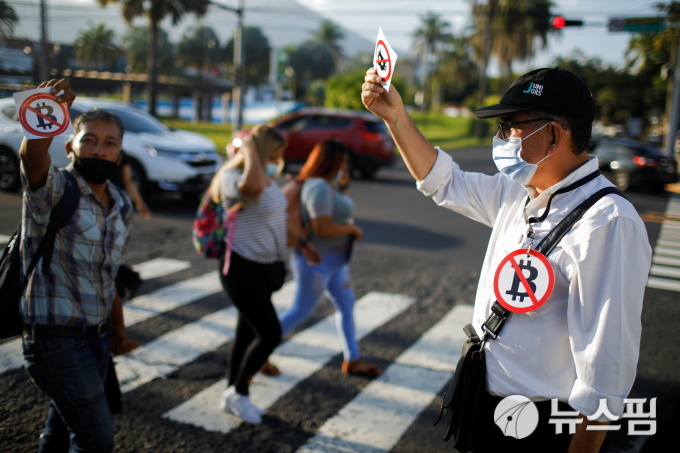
(272,169)
(506,156)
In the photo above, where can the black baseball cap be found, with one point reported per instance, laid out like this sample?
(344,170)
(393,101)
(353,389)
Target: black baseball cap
(550,90)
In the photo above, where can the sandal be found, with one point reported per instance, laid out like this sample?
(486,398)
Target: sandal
(360,368)
(269,369)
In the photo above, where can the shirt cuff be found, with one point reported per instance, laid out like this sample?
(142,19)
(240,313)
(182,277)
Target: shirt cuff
(440,170)
(595,405)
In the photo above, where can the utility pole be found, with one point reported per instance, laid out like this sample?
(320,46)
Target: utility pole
(674,114)
(43,72)
(239,87)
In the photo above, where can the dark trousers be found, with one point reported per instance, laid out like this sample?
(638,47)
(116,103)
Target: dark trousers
(490,438)
(250,286)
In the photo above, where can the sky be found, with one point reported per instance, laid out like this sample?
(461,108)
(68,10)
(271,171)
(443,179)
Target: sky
(292,21)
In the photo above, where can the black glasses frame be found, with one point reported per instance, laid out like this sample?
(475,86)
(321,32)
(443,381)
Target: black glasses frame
(502,126)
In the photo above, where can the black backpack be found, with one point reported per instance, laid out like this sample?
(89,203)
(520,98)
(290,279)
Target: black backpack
(12,281)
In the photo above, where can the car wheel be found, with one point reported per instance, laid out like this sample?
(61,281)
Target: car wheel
(368,171)
(9,171)
(621,179)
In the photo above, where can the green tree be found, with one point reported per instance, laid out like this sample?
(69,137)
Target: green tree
(342,91)
(311,61)
(136,41)
(431,37)
(330,34)
(257,53)
(156,11)
(200,49)
(456,74)
(8,19)
(95,48)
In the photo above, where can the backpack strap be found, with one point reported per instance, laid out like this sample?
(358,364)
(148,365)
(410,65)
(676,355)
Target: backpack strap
(61,214)
(500,314)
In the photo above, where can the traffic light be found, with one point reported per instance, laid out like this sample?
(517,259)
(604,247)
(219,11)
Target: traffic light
(560,22)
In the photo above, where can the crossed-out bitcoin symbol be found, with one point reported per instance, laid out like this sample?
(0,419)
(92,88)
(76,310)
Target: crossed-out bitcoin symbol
(48,114)
(516,282)
(381,61)
(523,281)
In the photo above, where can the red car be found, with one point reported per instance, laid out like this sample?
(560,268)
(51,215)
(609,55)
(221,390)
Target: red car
(367,138)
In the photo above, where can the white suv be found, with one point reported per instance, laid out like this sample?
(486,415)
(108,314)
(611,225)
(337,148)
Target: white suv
(160,157)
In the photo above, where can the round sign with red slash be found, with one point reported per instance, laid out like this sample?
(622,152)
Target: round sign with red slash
(40,114)
(524,280)
(382,60)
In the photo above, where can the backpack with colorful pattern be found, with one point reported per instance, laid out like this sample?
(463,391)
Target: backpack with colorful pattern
(211,225)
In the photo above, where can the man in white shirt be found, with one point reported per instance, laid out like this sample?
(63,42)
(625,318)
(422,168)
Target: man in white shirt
(574,335)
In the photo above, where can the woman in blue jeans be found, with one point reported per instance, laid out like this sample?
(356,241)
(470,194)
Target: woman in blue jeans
(327,212)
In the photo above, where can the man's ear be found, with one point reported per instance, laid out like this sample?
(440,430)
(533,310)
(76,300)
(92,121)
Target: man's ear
(68,146)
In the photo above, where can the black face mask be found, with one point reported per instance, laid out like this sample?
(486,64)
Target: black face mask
(94,169)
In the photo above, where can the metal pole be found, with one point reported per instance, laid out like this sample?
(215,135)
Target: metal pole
(239,65)
(674,116)
(43,73)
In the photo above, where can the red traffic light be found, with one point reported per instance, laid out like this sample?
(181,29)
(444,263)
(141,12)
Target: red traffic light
(560,22)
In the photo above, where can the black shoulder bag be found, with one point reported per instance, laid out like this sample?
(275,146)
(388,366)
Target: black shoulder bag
(12,281)
(469,379)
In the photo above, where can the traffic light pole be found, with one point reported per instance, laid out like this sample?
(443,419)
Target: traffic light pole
(239,87)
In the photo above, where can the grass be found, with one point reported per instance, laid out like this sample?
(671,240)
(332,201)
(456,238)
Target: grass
(443,131)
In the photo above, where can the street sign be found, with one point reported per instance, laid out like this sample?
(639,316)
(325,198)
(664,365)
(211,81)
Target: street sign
(637,24)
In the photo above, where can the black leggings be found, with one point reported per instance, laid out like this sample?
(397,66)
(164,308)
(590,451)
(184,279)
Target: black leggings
(250,286)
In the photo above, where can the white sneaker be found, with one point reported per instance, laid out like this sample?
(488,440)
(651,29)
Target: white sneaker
(239,405)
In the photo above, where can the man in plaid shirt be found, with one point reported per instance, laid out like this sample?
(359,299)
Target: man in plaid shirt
(72,313)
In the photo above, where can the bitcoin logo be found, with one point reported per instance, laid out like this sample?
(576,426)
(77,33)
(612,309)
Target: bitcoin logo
(523,281)
(381,61)
(516,282)
(48,114)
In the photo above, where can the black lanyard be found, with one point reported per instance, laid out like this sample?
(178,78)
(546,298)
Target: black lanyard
(529,220)
(569,188)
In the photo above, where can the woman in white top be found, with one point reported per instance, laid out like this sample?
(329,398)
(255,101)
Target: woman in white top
(255,265)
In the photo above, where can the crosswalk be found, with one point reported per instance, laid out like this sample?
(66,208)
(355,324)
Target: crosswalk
(381,412)
(665,270)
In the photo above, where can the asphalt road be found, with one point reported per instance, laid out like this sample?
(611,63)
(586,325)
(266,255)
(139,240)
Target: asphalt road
(414,272)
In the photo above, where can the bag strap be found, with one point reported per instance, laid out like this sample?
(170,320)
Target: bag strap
(60,215)
(500,314)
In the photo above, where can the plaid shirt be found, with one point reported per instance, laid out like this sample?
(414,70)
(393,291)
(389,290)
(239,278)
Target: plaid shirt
(79,288)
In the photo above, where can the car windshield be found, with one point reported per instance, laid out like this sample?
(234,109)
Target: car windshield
(135,120)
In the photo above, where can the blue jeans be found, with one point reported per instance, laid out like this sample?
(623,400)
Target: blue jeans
(332,275)
(72,371)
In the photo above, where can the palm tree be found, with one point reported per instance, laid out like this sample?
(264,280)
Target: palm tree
(200,48)
(330,34)
(95,48)
(135,43)
(156,11)
(8,19)
(432,36)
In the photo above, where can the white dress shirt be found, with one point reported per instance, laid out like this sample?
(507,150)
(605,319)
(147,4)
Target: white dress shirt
(582,345)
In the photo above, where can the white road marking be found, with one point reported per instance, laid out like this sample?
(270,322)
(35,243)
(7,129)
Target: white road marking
(665,271)
(159,267)
(376,419)
(298,358)
(663,283)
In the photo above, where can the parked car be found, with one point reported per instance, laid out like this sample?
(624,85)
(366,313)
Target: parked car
(160,157)
(367,138)
(628,162)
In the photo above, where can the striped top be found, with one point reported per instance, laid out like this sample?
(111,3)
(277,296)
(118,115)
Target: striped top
(260,230)
(79,288)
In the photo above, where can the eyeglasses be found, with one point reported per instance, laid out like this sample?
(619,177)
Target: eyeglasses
(504,128)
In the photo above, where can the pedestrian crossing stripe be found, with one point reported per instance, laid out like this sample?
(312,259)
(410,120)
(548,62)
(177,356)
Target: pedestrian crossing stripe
(665,270)
(298,358)
(379,416)
(142,307)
